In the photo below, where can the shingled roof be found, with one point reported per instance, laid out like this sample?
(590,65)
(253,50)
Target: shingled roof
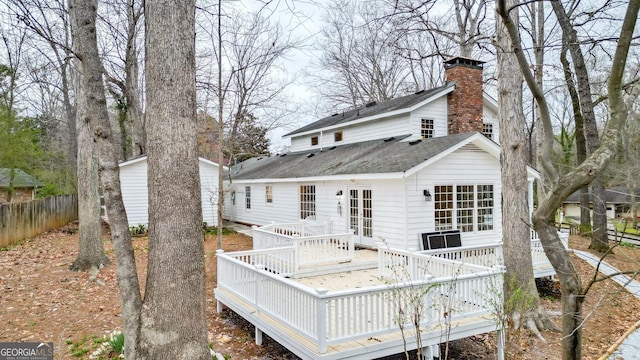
(614,195)
(373,108)
(382,156)
(21,179)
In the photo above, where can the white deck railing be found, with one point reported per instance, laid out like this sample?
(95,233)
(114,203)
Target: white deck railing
(310,249)
(485,255)
(324,317)
(402,265)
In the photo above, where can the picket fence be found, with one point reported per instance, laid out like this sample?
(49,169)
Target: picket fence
(23,220)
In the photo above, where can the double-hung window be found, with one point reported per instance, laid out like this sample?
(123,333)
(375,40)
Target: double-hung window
(247,197)
(268,194)
(426,128)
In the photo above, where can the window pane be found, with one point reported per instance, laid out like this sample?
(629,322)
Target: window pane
(247,197)
(485,207)
(443,202)
(426,128)
(268,191)
(307,201)
(367,214)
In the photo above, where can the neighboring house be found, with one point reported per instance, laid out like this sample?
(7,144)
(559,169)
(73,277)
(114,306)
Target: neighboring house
(388,171)
(133,183)
(24,185)
(619,201)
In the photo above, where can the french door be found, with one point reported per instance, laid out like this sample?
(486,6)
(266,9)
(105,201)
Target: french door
(361,215)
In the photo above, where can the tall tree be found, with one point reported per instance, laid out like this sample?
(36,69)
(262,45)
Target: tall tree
(96,118)
(49,21)
(122,66)
(573,292)
(521,294)
(247,53)
(173,319)
(599,238)
(91,255)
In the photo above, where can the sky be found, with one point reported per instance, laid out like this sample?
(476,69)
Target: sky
(303,19)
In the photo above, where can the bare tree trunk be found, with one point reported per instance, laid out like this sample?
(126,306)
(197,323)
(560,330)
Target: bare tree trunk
(521,295)
(599,238)
(83,18)
(132,91)
(173,319)
(90,248)
(562,186)
(581,142)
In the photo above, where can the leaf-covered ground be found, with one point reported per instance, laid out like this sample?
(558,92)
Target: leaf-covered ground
(42,300)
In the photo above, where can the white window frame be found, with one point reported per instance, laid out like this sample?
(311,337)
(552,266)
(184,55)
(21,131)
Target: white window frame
(427,128)
(307,203)
(268,194)
(487,130)
(247,197)
(466,207)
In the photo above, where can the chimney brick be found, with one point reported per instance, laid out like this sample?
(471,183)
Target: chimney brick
(465,102)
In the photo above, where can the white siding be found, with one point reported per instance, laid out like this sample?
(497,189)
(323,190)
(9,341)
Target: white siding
(436,110)
(400,211)
(489,116)
(209,192)
(467,166)
(372,130)
(133,182)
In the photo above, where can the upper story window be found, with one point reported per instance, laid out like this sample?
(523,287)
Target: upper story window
(426,128)
(472,209)
(247,197)
(337,136)
(314,140)
(487,130)
(307,201)
(268,194)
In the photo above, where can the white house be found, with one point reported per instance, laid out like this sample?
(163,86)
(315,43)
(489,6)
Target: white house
(388,171)
(133,183)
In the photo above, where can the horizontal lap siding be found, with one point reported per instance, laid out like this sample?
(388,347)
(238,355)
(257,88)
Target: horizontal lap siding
(435,110)
(389,225)
(283,209)
(466,166)
(135,193)
(489,116)
(373,130)
(133,183)
(209,193)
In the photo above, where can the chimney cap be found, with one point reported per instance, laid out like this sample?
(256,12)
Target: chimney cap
(464,61)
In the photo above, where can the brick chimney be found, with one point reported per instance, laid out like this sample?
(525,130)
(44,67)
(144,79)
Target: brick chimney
(465,102)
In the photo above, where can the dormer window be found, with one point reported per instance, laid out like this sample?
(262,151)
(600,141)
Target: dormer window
(337,136)
(314,140)
(426,128)
(487,130)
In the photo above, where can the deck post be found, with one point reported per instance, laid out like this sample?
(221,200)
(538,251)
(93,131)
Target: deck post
(501,341)
(321,311)
(257,286)
(258,336)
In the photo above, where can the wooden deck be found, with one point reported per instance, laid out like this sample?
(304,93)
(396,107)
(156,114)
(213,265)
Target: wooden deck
(323,299)
(356,314)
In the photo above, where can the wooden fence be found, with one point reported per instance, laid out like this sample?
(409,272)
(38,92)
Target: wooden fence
(22,220)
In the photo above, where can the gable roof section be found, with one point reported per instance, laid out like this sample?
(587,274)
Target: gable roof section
(22,179)
(615,195)
(374,110)
(144,158)
(384,158)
